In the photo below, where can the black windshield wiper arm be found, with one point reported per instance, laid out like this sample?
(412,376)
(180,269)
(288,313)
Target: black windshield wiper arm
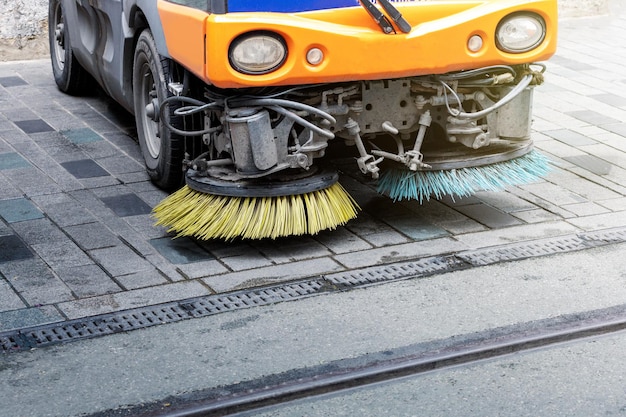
(396,16)
(378,16)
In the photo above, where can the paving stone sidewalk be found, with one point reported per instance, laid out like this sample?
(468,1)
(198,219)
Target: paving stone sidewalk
(77,238)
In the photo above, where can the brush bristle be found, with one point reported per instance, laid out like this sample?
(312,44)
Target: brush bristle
(206,216)
(402,184)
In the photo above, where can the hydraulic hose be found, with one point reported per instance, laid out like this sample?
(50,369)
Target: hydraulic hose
(525,82)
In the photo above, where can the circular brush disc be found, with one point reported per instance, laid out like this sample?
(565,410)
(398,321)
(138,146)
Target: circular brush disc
(207,208)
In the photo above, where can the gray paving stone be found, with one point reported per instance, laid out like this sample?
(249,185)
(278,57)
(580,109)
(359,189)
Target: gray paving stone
(599,222)
(386,238)
(81,135)
(553,193)
(616,204)
(586,209)
(489,216)
(92,236)
(536,216)
(142,279)
(29,317)
(133,299)
(9,300)
(607,153)
(448,218)
(571,138)
(591,163)
(171,272)
(144,225)
(63,210)
(610,99)
(521,233)
(202,269)
(15,136)
(40,230)
(99,149)
(592,117)
(61,254)
(19,210)
(341,240)
(272,274)
(246,261)
(32,182)
(365,225)
(12,160)
(87,280)
(181,250)
(119,260)
(508,203)
(399,252)
(121,164)
(292,249)
(35,283)
(415,227)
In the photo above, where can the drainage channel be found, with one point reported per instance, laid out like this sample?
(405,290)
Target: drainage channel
(124,321)
(270,392)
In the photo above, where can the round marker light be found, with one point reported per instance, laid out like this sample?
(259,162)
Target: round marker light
(520,32)
(475,43)
(257,53)
(315,56)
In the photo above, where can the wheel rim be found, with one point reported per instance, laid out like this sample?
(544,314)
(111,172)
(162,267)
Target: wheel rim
(149,112)
(59,36)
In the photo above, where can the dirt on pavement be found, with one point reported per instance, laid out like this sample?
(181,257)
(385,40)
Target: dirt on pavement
(18,49)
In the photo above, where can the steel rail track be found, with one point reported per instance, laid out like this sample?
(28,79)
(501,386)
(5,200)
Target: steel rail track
(276,390)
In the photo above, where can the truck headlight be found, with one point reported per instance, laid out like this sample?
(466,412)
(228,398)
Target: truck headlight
(520,32)
(257,52)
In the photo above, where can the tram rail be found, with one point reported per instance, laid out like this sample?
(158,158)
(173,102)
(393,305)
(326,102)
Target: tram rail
(258,395)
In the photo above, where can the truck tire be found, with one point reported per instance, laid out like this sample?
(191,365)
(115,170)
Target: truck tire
(69,76)
(163,151)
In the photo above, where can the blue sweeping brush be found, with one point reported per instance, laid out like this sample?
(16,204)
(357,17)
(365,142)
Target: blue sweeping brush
(403,184)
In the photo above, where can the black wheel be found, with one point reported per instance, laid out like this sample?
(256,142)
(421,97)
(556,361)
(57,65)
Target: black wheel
(163,151)
(70,77)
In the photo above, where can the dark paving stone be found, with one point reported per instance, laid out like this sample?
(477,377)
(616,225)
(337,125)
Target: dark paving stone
(618,129)
(127,205)
(592,117)
(28,317)
(13,249)
(34,126)
(489,216)
(610,99)
(85,135)
(12,81)
(571,138)
(590,163)
(12,160)
(85,168)
(180,250)
(572,64)
(18,210)
(416,228)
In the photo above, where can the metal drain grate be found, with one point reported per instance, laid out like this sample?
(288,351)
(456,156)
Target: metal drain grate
(522,251)
(606,236)
(543,247)
(378,274)
(107,324)
(124,321)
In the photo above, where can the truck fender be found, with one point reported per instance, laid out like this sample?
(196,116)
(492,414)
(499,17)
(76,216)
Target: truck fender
(149,10)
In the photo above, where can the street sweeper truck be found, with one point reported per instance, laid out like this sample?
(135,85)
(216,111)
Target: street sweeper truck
(236,102)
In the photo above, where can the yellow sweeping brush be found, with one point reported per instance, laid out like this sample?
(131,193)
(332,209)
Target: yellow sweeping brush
(206,216)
